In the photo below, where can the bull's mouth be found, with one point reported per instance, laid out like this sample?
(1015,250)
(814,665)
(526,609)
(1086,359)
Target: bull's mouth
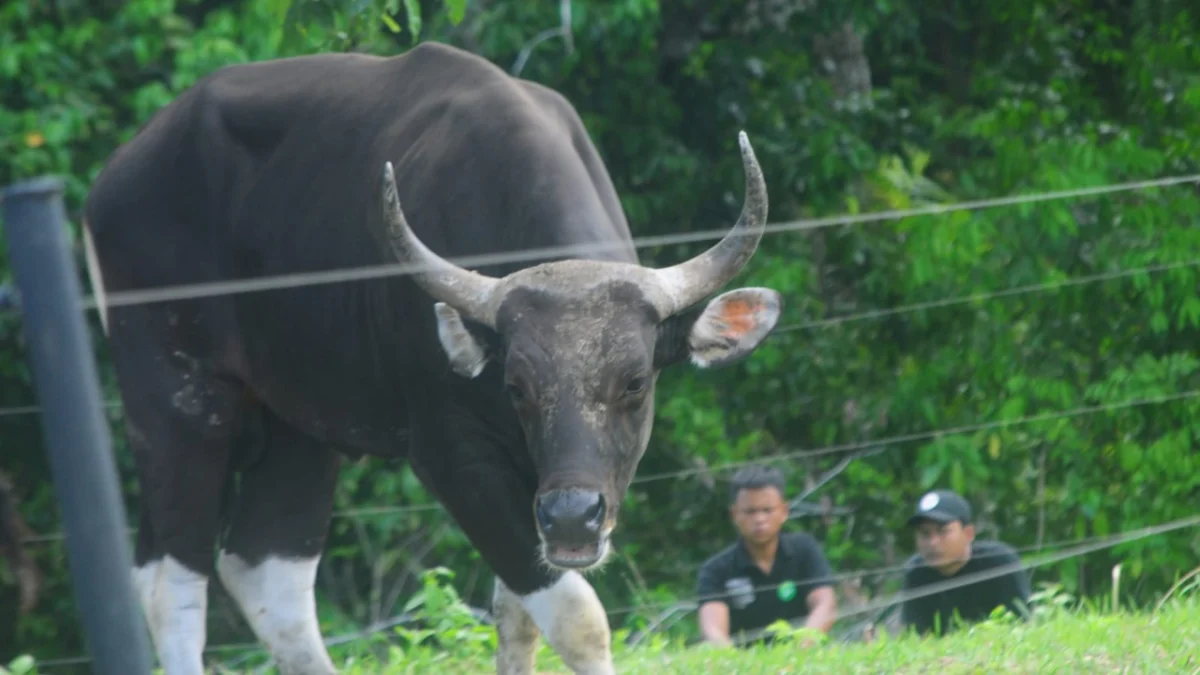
(575,556)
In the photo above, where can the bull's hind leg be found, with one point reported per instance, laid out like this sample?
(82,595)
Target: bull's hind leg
(180,423)
(268,561)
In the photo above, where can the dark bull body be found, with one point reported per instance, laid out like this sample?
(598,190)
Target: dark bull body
(522,394)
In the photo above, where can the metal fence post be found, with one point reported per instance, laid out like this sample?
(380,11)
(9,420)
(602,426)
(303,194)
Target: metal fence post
(77,435)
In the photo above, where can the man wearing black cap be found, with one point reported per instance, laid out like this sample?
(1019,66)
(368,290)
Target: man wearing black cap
(948,553)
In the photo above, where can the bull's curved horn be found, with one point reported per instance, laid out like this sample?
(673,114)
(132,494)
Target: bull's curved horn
(468,292)
(687,283)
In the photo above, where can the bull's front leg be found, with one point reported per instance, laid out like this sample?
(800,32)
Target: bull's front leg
(516,632)
(567,612)
(570,615)
(494,507)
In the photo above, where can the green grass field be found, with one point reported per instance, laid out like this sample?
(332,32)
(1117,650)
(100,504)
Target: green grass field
(1161,642)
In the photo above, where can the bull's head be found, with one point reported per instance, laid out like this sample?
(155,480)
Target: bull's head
(581,343)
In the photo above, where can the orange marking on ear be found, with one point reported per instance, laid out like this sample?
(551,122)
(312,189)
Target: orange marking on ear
(738,317)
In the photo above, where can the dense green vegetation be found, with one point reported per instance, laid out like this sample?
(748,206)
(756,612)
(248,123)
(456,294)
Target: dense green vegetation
(854,108)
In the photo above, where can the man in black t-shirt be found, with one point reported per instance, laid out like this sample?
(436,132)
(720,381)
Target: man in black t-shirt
(764,576)
(948,552)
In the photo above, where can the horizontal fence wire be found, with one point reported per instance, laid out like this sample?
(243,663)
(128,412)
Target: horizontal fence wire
(798,454)
(283,281)
(921,436)
(1077,548)
(1084,544)
(872,314)
(988,296)
(363,512)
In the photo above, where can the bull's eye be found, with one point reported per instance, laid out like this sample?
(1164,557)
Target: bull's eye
(516,392)
(636,386)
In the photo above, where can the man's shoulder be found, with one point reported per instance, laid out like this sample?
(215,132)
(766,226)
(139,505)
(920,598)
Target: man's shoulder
(798,541)
(993,553)
(721,560)
(715,572)
(915,569)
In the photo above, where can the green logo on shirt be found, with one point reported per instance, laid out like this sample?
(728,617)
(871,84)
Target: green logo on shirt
(786,591)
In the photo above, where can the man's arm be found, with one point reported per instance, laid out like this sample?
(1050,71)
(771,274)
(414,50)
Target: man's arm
(915,612)
(821,598)
(714,613)
(1012,590)
(714,623)
(822,609)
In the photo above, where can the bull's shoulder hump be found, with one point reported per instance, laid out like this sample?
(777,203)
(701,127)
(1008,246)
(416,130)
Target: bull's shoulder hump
(427,68)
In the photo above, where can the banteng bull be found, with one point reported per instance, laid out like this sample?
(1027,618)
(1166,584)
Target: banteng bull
(521,394)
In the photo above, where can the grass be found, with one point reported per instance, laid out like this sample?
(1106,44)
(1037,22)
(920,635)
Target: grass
(1057,641)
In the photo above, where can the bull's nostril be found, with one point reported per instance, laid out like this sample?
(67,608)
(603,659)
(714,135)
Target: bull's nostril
(594,516)
(542,516)
(571,517)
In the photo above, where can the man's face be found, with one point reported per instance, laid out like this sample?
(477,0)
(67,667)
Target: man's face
(759,514)
(944,546)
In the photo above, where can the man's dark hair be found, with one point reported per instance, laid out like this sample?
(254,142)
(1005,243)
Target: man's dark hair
(757,476)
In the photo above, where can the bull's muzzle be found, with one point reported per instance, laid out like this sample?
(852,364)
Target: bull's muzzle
(571,524)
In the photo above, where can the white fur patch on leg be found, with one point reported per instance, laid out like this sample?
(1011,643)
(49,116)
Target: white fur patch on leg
(276,597)
(175,600)
(572,618)
(517,633)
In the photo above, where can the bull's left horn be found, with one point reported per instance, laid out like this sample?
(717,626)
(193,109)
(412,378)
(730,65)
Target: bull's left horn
(689,282)
(468,292)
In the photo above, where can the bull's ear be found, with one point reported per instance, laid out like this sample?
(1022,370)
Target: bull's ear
(731,326)
(468,355)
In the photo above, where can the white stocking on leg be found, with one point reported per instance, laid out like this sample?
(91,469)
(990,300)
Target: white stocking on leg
(175,600)
(517,633)
(276,597)
(573,620)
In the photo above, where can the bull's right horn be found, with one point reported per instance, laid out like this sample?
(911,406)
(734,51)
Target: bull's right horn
(689,282)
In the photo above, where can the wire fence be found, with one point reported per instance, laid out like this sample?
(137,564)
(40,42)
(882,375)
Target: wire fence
(1074,548)
(794,454)
(284,281)
(1076,551)
(1080,547)
(988,296)
(921,436)
(363,512)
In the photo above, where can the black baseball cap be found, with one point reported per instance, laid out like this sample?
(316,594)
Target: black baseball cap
(942,506)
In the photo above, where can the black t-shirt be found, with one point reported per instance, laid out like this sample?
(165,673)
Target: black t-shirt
(972,602)
(756,599)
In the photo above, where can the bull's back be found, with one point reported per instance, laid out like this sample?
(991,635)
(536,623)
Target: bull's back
(178,195)
(273,168)
(146,209)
